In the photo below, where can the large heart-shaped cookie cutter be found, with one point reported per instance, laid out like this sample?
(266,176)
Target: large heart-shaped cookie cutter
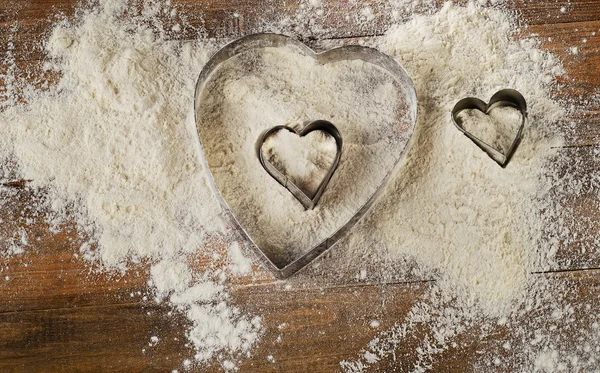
(352,52)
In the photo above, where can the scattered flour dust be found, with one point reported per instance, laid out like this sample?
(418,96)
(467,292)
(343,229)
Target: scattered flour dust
(114,143)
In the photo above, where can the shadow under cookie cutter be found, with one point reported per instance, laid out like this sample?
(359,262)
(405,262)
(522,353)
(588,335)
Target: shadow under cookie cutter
(502,98)
(345,53)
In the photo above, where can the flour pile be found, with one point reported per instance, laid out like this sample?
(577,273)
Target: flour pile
(485,215)
(114,143)
(480,229)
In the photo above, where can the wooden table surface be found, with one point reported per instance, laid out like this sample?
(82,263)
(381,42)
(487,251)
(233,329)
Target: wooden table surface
(58,316)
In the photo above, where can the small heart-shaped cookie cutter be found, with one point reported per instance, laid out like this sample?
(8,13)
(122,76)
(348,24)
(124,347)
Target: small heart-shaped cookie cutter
(502,98)
(345,53)
(318,125)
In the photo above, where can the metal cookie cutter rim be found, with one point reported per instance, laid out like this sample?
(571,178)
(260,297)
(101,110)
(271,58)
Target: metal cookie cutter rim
(352,52)
(502,98)
(318,125)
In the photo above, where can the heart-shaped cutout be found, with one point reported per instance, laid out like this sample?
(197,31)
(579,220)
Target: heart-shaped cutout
(495,127)
(261,81)
(299,174)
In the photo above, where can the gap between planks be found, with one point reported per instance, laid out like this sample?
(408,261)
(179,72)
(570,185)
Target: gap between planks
(595,271)
(106,305)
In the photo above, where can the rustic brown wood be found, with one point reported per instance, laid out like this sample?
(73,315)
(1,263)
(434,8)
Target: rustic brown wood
(477,342)
(317,328)
(58,315)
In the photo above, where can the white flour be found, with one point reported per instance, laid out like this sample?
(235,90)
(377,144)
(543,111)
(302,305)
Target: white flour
(114,143)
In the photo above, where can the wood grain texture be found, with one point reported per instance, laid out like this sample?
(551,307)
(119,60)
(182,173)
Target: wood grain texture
(57,315)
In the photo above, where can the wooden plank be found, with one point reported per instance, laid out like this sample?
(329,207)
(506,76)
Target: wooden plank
(90,339)
(318,328)
(578,89)
(238,17)
(555,11)
(50,273)
(567,321)
(306,330)
(52,260)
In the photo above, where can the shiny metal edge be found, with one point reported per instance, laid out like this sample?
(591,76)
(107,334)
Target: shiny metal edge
(318,125)
(504,97)
(351,52)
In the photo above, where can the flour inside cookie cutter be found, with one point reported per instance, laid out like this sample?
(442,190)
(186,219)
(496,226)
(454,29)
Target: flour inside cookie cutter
(502,98)
(346,53)
(309,202)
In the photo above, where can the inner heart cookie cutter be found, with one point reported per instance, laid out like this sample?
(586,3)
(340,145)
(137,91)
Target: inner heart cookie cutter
(502,98)
(345,53)
(318,125)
